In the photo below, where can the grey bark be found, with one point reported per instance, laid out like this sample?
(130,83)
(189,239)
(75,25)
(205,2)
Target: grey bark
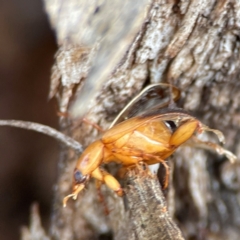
(192,44)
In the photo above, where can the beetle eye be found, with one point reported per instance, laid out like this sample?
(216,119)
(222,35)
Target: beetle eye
(171,125)
(78,177)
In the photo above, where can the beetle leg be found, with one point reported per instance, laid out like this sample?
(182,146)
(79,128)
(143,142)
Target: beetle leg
(85,120)
(108,179)
(212,147)
(150,159)
(124,169)
(166,180)
(112,183)
(184,132)
(145,157)
(157,159)
(101,197)
(98,184)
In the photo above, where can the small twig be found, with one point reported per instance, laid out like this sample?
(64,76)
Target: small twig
(149,217)
(68,141)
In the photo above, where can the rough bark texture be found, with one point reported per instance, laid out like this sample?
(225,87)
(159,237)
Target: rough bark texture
(148,214)
(194,45)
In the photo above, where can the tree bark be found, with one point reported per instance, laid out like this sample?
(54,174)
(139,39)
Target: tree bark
(195,46)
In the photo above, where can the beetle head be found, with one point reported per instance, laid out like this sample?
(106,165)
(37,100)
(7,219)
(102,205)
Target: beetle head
(79,183)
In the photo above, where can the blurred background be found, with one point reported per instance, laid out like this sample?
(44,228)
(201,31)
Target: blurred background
(28,160)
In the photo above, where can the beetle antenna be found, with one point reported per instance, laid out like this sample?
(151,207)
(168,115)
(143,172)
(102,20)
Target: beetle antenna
(68,141)
(172,103)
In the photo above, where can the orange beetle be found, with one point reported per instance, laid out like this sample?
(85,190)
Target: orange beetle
(150,138)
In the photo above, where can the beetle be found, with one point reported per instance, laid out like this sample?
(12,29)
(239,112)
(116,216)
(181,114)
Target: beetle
(150,137)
